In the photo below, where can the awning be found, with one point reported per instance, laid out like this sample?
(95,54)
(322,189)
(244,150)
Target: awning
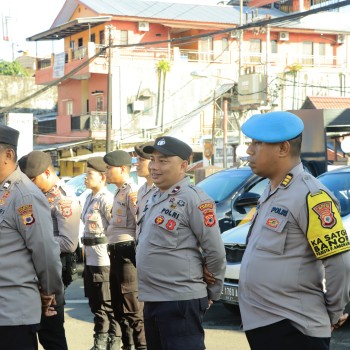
(70,28)
(61,146)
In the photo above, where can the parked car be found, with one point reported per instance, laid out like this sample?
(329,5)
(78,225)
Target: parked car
(236,192)
(338,181)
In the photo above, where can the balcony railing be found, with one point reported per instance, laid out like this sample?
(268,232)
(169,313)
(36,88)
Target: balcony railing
(225,57)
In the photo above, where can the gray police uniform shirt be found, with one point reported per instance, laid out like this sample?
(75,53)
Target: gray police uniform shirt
(143,194)
(65,213)
(28,252)
(282,270)
(177,230)
(96,215)
(122,226)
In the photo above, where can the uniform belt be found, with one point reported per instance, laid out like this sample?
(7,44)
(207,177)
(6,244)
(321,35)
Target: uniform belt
(119,245)
(94,240)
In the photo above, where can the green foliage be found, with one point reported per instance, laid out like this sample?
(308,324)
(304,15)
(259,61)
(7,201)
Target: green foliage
(12,68)
(293,69)
(163,66)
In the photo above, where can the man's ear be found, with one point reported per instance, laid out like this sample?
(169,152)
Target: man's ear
(284,148)
(47,172)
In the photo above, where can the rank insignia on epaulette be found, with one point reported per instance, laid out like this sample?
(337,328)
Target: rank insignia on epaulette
(287,180)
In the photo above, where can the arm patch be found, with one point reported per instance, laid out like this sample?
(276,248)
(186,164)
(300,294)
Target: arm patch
(326,233)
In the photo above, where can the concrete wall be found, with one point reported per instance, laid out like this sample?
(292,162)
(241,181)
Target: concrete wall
(14,89)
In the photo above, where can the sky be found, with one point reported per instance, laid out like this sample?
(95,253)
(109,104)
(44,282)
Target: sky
(26,18)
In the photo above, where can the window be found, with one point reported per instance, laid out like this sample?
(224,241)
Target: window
(308,51)
(273,46)
(80,42)
(93,38)
(322,49)
(224,44)
(206,48)
(255,50)
(99,103)
(69,107)
(124,37)
(72,44)
(102,37)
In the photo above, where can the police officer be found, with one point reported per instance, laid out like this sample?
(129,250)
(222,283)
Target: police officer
(28,253)
(296,239)
(65,213)
(96,215)
(121,245)
(178,230)
(142,168)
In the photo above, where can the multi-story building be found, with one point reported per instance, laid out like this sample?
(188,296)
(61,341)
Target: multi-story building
(133,67)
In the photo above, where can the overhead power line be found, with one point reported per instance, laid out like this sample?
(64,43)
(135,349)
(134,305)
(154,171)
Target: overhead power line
(261,23)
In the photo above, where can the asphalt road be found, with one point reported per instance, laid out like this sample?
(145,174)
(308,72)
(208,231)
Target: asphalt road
(222,327)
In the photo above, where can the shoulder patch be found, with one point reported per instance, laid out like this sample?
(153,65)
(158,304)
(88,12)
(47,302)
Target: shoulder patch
(26,211)
(326,233)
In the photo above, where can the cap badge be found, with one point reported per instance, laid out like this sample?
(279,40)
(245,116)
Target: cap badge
(161,142)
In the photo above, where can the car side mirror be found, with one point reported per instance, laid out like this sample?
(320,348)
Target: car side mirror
(246,199)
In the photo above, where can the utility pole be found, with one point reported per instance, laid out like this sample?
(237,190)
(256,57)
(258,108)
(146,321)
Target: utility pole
(109,92)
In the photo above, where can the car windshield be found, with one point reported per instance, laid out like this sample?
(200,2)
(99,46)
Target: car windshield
(223,183)
(339,184)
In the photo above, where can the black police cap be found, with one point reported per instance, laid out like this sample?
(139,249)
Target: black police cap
(9,135)
(170,146)
(117,158)
(139,150)
(34,163)
(97,164)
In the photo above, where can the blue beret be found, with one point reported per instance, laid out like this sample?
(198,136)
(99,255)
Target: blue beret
(273,127)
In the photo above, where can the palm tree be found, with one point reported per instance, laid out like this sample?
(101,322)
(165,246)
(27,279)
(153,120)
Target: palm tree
(162,68)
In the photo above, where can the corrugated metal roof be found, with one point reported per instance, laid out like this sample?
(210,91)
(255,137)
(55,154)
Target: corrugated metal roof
(162,10)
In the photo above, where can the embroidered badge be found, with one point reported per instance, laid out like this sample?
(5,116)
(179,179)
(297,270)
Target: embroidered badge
(66,208)
(6,194)
(209,218)
(2,201)
(272,222)
(172,200)
(173,206)
(170,225)
(161,142)
(280,211)
(205,206)
(26,211)
(159,220)
(181,203)
(93,226)
(325,214)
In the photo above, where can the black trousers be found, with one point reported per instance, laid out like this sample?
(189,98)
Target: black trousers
(96,287)
(124,292)
(19,337)
(284,336)
(175,325)
(51,334)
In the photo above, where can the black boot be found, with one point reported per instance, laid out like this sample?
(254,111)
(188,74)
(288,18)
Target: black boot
(113,342)
(100,342)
